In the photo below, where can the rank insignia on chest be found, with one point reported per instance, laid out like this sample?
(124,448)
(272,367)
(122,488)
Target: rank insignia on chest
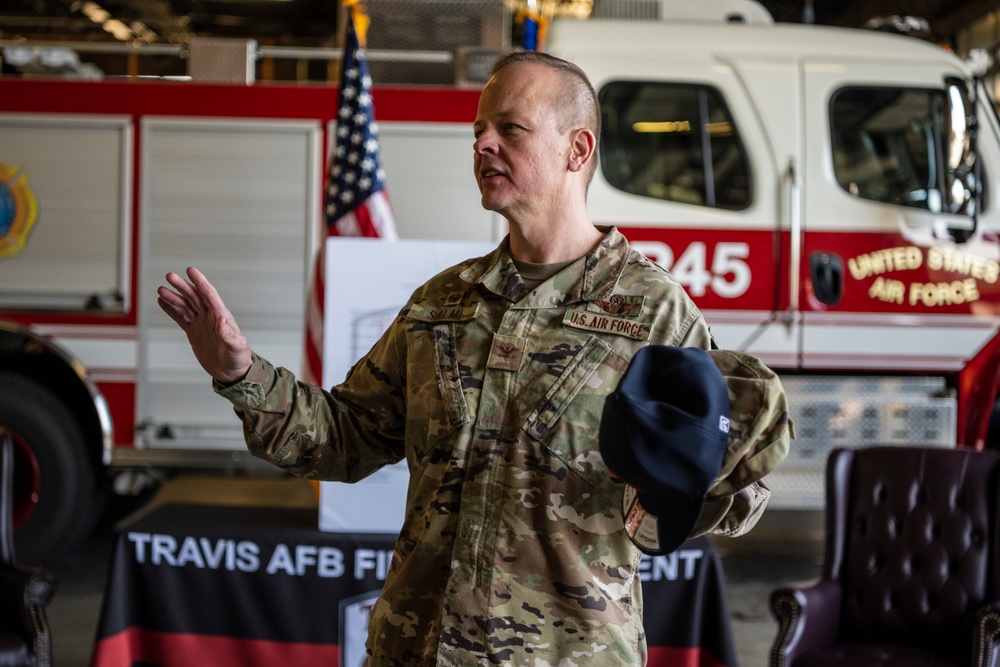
(506,353)
(454,298)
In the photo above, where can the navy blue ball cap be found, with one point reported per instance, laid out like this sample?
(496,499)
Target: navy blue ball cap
(664,433)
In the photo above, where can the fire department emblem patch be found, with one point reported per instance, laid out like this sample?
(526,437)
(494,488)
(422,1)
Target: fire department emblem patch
(18,210)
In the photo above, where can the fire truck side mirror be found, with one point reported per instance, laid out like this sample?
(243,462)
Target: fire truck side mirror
(962,180)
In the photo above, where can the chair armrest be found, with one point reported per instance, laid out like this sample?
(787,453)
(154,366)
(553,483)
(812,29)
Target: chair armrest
(24,593)
(30,589)
(31,586)
(808,617)
(986,638)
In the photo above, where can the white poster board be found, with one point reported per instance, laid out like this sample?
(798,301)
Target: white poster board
(367,282)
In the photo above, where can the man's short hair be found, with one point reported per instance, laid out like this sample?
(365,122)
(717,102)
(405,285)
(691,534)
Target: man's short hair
(576,86)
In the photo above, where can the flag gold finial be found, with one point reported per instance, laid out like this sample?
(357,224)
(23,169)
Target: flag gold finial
(360,18)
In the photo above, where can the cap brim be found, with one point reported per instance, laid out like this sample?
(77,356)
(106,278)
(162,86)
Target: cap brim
(658,535)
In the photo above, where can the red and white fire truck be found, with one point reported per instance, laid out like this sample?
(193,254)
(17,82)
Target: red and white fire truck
(827,196)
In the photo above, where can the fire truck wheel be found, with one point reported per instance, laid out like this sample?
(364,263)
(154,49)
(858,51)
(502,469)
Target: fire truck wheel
(57,497)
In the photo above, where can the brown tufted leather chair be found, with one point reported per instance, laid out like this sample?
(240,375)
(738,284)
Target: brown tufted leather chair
(910,568)
(24,591)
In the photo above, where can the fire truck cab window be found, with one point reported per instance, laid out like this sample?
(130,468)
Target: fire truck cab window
(675,142)
(892,145)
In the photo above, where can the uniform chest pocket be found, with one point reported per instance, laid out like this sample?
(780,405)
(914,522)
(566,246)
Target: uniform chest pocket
(435,404)
(567,419)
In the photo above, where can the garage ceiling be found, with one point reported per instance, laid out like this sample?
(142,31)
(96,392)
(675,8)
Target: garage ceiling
(946,17)
(314,21)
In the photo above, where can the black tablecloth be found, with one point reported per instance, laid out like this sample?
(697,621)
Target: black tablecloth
(254,587)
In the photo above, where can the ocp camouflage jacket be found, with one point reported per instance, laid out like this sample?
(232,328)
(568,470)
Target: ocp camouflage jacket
(512,550)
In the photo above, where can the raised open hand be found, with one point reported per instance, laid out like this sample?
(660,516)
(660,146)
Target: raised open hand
(218,345)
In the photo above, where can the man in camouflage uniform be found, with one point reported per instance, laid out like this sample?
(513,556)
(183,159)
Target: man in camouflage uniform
(491,383)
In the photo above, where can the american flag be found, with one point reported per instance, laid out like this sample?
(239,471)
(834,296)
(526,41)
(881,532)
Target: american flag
(356,201)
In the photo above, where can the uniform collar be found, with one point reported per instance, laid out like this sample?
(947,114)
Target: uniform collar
(591,277)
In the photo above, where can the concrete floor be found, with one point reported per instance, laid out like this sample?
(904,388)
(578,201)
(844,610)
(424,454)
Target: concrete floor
(784,547)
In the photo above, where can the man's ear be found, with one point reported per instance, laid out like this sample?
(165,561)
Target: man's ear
(582,147)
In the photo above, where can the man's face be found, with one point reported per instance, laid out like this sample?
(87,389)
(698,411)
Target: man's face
(520,153)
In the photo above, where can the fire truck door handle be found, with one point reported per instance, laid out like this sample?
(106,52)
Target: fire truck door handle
(795,241)
(827,272)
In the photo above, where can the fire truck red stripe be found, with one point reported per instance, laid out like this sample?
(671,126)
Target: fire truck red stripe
(662,656)
(182,649)
(270,100)
(167,648)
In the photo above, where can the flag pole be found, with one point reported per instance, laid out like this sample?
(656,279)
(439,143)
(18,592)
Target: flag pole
(355,200)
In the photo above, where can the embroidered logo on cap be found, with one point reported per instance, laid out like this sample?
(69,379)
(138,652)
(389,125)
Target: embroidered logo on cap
(641,526)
